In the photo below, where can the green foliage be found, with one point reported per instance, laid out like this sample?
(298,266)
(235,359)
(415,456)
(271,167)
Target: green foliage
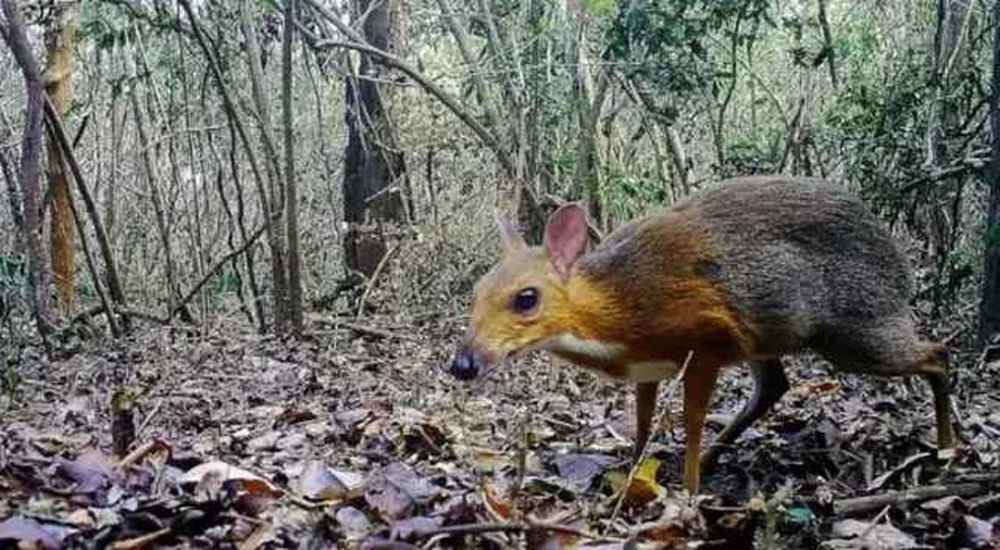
(600,8)
(993,237)
(12,282)
(11,269)
(228,282)
(666,41)
(856,42)
(625,194)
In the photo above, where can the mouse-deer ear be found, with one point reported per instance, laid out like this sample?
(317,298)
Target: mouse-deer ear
(512,240)
(566,238)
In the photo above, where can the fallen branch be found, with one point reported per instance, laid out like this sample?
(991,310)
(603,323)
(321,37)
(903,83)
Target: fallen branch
(371,331)
(859,505)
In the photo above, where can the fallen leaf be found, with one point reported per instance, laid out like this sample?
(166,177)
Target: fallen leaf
(81,518)
(27,532)
(497,505)
(424,437)
(644,488)
(354,522)
(548,539)
(92,471)
(882,536)
(397,491)
(321,483)
(979,533)
(248,481)
(411,528)
(581,469)
(488,460)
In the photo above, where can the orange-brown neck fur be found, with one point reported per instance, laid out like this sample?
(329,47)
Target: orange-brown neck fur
(653,292)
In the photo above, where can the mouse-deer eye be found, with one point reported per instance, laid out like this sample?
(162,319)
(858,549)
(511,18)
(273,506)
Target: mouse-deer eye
(526,300)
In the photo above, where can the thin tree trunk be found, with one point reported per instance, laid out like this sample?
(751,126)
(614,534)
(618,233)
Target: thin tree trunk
(13,195)
(258,300)
(681,164)
(62,142)
(60,40)
(152,187)
(465,49)
(95,277)
(272,169)
(291,188)
(952,20)
(373,167)
(231,238)
(824,24)
(31,192)
(989,310)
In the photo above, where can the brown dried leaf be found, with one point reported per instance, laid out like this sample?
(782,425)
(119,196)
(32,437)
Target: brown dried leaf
(223,472)
(496,504)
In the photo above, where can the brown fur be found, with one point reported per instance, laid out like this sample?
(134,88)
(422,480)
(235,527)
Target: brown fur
(750,269)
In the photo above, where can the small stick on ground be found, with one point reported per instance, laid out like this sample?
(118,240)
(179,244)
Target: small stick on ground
(876,521)
(509,527)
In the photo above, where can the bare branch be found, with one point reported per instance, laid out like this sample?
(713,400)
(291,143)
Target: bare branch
(358,43)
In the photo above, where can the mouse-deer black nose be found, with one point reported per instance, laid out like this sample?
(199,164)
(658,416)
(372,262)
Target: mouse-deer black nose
(467,364)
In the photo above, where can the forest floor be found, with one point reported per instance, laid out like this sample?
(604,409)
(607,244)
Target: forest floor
(358,437)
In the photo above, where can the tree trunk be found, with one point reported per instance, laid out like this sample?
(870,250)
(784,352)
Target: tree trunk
(60,41)
(374,168)
(31,192)
(824,23)
(989,310)
(13,198)
(295,314)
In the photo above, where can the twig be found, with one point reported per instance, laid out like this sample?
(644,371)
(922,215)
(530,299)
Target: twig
(141,541)
(149,417)
(371,280)
(508,527)
(657,420)
(874,522)
(214,269)
(140,452)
